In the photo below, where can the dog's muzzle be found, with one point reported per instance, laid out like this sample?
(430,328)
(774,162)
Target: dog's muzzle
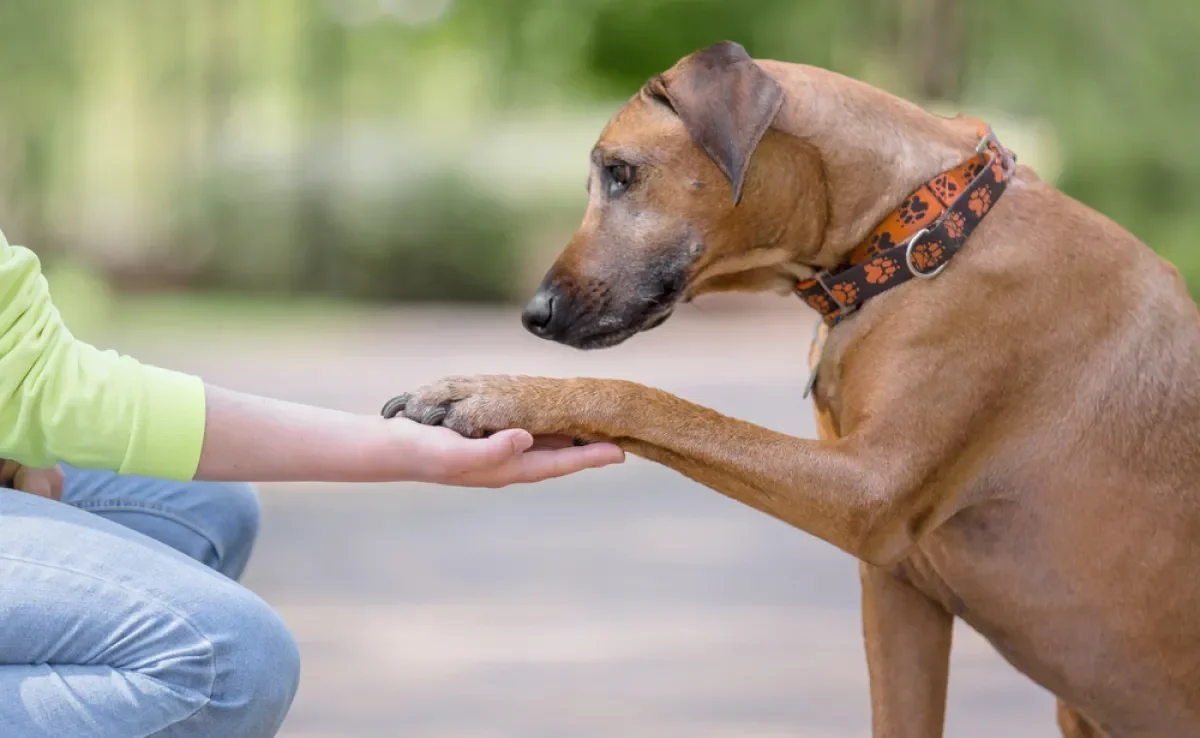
(555,314)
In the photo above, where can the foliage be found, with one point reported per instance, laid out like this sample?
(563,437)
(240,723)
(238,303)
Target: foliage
(438,238)
(219,143)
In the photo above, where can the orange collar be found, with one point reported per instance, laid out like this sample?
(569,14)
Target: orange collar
(918,238)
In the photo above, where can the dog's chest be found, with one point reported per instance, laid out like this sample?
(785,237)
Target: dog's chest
(923,570)
(968,563)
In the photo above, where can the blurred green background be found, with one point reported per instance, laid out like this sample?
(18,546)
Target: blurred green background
(435,150)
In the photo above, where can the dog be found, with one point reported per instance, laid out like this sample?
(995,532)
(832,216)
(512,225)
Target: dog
(1008,437)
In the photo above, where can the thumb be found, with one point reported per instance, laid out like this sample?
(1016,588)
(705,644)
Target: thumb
(494,450)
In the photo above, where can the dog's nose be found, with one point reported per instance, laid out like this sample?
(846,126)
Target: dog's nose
(539,313)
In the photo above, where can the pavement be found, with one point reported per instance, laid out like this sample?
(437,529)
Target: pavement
(626,601)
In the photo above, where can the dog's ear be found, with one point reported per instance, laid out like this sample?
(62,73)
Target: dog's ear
(726,102)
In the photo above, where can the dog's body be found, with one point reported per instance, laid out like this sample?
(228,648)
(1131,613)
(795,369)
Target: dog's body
(1014,443)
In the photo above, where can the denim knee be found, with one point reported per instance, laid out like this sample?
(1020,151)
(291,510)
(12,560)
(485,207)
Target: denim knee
(225,516)
(257,672)
(234,515)
(215,523)
(268,659)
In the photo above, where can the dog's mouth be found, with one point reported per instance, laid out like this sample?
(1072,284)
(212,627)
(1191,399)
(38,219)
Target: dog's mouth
(607,337)
(600,314)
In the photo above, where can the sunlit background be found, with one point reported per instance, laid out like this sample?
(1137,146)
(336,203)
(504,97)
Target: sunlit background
(333,200)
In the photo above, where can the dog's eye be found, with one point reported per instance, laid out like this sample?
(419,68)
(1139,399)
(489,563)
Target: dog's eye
(620,175)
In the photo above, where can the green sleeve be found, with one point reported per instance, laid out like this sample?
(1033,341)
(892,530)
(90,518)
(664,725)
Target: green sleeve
(64,400)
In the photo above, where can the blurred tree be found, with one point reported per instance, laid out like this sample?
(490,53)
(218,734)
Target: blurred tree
(934,33)
(38,84)
(324,72)
(219,142)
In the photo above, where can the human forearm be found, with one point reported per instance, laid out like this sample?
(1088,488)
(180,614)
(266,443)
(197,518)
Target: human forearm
(258,439)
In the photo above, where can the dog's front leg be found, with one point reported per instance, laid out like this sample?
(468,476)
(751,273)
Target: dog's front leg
(1073,724)
(858,495)
(907,638)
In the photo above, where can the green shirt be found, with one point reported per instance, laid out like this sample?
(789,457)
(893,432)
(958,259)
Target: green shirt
(64,400)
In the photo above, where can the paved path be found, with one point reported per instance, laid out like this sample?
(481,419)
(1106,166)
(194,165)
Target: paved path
(624,602)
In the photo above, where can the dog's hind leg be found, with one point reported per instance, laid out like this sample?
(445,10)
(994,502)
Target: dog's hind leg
(907,638)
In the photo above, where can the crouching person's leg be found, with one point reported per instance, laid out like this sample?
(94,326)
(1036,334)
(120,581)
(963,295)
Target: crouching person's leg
(110,634)
(215,523)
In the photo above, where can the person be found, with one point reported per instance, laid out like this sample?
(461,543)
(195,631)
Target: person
(128,520)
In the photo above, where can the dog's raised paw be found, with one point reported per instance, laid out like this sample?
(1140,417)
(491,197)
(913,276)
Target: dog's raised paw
(412,407)
(428,406)
(469,406)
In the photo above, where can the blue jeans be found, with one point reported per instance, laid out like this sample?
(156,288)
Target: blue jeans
(120,616)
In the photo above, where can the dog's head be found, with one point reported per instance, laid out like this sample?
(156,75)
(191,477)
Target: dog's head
(675,208)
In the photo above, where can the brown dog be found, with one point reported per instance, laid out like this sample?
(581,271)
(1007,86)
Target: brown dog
(1013,443)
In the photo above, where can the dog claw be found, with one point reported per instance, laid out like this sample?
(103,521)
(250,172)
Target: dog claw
(435,415)
(395,406)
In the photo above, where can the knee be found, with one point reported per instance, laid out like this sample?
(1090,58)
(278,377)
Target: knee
(233,515)
(243,512)
(258,669)
(271,659)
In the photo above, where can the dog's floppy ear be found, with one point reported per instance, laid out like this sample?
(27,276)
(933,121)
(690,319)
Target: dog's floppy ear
(726,102)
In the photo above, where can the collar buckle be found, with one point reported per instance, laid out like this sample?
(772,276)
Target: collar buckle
(844,309)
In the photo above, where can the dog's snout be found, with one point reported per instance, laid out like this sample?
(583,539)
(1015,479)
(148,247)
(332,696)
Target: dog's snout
(539,313)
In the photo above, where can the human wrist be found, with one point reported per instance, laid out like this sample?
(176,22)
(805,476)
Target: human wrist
(381,450)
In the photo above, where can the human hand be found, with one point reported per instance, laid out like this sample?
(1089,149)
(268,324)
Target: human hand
(46,483)
(441,456)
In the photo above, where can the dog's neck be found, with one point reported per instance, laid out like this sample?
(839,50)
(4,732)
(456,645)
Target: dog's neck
(874,149)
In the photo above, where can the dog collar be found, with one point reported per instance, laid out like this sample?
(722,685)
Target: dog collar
(918,238)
